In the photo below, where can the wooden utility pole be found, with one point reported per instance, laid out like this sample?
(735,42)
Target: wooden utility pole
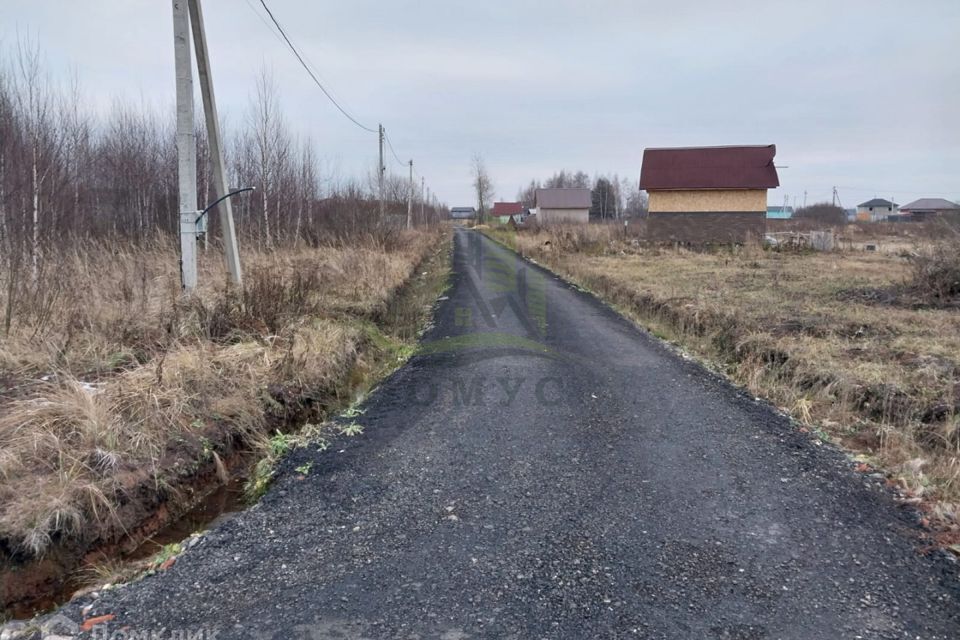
(380,169)
(423,188)
(410,198)
(186,147)
(230,248)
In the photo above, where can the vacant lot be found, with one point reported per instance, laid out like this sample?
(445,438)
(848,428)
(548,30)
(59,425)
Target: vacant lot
(121,400)
(847,342)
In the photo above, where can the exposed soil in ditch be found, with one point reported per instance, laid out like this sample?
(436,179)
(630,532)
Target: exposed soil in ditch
(220,503)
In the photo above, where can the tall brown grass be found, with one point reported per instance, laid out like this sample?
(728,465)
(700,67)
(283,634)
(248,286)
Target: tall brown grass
(111,378)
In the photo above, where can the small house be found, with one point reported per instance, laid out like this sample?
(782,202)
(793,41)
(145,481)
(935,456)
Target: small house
(876,210)
(779,212)
(925,208)
(703,195)
(461,215)
(505,211)
(567,205)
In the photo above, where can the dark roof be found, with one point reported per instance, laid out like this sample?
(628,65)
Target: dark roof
(569,198)
(877,202)
(463,212)
(745,167)
(931,204)
(507,208)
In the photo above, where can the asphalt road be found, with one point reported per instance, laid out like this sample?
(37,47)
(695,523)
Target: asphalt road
(546,470)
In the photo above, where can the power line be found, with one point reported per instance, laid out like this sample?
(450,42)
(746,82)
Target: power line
(390,144)
(269,27)
(310,72)
(273,32)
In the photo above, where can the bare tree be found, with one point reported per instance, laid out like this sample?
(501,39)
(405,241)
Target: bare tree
(527,195)
(271,143)
(68,174)
(7,133)
(307,187)
(34,104)
(77,156)
(482,185)
(625,189)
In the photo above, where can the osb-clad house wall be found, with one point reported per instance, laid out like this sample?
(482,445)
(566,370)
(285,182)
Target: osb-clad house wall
(703,195)
(708,200)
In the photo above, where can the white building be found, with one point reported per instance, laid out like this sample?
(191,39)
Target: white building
(876,210)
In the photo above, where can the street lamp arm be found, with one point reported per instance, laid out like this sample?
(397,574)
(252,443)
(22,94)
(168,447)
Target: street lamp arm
(221,199)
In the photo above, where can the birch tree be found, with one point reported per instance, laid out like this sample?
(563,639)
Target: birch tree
(267,129)
(34,105)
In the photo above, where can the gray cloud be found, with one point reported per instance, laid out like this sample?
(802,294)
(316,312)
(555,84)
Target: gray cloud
(858,94)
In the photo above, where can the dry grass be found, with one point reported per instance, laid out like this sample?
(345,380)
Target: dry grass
(110,379)
(936,269)
(879,375)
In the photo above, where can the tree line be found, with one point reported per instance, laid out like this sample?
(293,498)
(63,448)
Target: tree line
(67,174)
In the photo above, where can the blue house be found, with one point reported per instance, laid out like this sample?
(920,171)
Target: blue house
(779,212)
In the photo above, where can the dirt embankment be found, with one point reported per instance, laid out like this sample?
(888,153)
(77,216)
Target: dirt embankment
(94,465)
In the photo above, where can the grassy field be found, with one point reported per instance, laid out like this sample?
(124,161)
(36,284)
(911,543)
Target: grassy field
(848,342)
(115,389)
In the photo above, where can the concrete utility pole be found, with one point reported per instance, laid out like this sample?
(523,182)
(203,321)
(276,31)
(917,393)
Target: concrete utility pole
(410,198)
(423,188)
(380,169)
(186,147)
(230,248)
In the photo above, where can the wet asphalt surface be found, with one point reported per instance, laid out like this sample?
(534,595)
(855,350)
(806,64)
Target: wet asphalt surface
(546,470)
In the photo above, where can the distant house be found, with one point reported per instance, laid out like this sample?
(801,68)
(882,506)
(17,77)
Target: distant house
(928,208)
(708,194)
(463,214)
(876,210)
(504,211)
(562,205)
(779,213)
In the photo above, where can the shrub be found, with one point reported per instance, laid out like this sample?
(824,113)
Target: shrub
(936,270)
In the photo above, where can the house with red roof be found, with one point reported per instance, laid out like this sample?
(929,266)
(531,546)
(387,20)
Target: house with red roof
(504,211)
(708,195)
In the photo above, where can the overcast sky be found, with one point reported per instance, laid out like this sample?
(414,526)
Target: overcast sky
(862,95)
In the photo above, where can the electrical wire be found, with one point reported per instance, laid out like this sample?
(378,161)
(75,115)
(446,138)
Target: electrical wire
(311,69)
(269,26)
(311,73)
(306,58)
(390,144)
